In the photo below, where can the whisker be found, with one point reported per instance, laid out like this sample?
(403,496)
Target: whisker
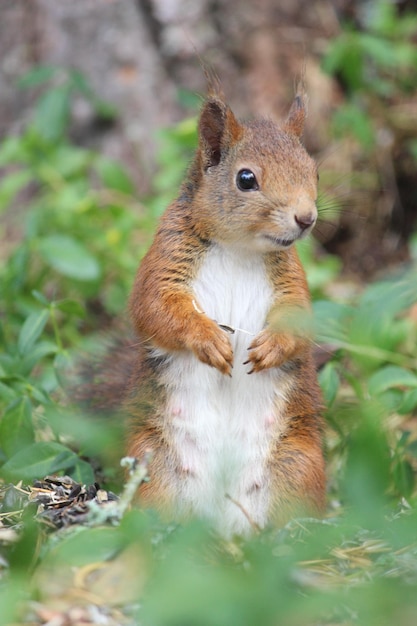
(334,149)
(340,210)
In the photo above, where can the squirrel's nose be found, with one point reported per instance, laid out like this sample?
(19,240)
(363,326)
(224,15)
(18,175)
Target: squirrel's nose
(305,220)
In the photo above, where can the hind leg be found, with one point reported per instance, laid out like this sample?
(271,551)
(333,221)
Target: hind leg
(297,468)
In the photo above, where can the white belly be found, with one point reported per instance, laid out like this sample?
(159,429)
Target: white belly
(223,427)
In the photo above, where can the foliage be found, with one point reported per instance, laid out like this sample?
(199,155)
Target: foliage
(77,236)
(82,234)
(375,63)
(372,382)
(75,256)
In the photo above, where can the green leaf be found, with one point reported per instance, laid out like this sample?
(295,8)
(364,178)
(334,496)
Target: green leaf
(11,185)
(52,113)
(329,382)
(62,364)
(331,320)
(7,393)
(71,307)
(389,377)
(13,596)
(69,257)
(71,161)
(31,330)
(103,109)
(377,48)
(39,75)
(88,545)
(114,176)
(409,402)
(35,355)
(345,56)
(12,150)
(16,427)
(40,297)
(350,119)
(38,460)
(391,297)
(83,473)
(403,477)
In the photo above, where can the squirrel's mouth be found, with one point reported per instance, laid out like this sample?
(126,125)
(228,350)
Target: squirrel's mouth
(280,241)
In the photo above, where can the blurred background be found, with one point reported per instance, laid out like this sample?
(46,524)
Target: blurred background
(138,67)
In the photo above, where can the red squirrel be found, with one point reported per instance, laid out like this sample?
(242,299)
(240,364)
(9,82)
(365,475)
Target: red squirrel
(224,394)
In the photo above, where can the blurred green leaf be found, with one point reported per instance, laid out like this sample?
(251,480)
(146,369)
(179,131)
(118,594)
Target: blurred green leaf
(71,162)
(31,330)
(83,473)
(344,56)
(52,113)
(37,76)
(114,176)
(11,184)
(40,298)
(35,355)
(12,151)
(351,119)
(13,595)
(377,49)
(71,307)
(38,460)
(409,402)
(69,257)
(403,476)
(16,427)
(367,476)
(88,545)
(104,109)
(389,377)
(7,393)
(332,321)
(329,382)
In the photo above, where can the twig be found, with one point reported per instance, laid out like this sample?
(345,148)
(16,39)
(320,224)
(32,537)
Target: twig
(255,527)
(138,474)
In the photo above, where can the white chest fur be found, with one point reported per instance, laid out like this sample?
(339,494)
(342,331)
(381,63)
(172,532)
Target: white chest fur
(222,427)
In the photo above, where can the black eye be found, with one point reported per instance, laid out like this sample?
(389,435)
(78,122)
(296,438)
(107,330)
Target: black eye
(246,181)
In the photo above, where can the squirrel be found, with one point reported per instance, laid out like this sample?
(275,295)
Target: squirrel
(224,389)
(222,386)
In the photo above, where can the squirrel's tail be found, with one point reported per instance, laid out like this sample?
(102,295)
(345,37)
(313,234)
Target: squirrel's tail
(100,381)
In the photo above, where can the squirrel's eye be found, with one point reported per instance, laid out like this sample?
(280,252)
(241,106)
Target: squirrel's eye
(246,181)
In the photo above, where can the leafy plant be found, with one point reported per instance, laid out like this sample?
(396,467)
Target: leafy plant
(27,451)
(375,374)
(81,220)
(375,62)
(53,110)
(77,242)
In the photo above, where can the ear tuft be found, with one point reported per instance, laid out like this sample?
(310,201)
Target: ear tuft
(294,124)
(214,86)
(218,129)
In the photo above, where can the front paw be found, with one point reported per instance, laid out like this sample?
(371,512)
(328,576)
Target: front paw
(270,349)
(211,345)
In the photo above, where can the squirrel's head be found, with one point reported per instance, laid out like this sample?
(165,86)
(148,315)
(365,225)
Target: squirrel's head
(257,184)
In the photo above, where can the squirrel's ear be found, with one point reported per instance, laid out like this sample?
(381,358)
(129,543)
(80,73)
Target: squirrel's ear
(218,129)
(294,124)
